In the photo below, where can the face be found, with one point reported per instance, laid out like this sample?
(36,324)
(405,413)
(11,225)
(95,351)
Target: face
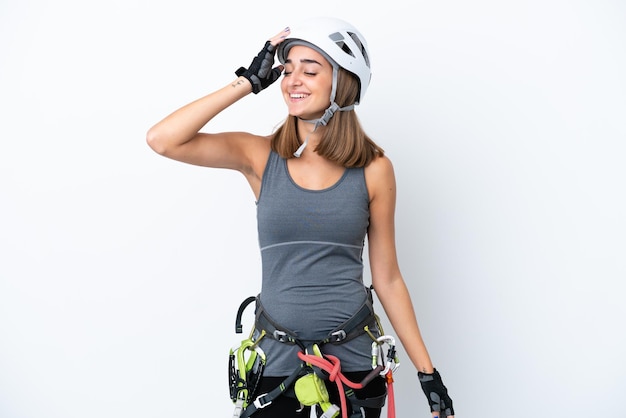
(307,82)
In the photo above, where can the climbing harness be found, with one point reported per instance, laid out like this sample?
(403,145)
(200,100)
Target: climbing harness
(245,368)
(307,382)
(345,332)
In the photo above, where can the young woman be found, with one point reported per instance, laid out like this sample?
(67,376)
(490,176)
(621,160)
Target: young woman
(322,186)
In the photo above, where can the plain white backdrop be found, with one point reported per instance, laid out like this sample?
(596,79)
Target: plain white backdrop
(121,271)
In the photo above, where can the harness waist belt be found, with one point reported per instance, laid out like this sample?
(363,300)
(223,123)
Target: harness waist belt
(350,329)
(345,332)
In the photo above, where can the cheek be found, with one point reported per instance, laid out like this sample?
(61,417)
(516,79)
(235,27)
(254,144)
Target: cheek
(283,89)
(328,85)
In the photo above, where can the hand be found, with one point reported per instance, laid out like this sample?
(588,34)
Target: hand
(437,394)
(260,72)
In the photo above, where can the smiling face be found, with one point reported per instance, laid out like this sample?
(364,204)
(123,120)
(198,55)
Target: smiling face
(307,82)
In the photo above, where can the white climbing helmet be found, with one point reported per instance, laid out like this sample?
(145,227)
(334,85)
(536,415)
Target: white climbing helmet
(340,42)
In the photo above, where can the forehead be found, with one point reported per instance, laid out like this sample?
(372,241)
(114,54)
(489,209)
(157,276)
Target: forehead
(299,53)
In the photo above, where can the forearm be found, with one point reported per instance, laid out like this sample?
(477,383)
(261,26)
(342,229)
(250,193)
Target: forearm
(398,307)
(183,124)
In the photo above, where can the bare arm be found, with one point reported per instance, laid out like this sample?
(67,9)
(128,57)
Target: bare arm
(386,277)
(178,135)
(388,282)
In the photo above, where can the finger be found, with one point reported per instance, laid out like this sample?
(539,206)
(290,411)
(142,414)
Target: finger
(441,415)
(280,36)
(276,72)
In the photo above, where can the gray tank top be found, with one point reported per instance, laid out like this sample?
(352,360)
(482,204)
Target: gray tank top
(311,245)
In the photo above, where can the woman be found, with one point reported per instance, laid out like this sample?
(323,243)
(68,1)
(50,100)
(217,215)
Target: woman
(322,186)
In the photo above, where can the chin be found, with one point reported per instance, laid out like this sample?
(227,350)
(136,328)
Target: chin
(305,115)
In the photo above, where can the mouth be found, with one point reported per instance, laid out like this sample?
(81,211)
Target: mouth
(298,96)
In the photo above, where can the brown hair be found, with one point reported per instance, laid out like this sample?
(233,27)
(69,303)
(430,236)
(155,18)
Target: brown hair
(344,141)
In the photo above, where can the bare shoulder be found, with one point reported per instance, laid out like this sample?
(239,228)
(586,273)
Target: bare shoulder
(254,149)
(247,153)
(259,147)
(380,165)
(379,176)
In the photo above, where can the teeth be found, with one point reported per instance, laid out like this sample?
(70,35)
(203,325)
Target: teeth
(297,96)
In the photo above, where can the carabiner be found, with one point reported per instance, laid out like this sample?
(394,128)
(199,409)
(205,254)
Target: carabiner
(378,354)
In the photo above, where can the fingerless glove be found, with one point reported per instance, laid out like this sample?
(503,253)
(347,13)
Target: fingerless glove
(260,72)
(436,393)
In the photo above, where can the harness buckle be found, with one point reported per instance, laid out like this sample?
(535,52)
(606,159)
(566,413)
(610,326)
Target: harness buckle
(238,408)
(260,403)
(338,336)
(281,336)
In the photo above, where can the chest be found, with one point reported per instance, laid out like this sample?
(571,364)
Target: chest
(314,176)
(287,211)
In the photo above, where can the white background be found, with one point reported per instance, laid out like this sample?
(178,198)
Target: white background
(121,271)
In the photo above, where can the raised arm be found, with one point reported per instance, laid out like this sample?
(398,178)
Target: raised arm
(178,135)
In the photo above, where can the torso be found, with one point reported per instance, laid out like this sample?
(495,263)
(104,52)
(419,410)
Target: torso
(311,235)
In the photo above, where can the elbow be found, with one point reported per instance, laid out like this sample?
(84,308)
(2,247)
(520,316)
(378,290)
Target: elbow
(155,140)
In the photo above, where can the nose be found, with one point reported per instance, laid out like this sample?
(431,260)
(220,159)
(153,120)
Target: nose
(294,79)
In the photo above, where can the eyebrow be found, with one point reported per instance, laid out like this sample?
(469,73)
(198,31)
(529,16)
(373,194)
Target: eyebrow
(304,61)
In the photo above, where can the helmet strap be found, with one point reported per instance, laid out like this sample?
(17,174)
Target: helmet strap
(334,107)
(328,113)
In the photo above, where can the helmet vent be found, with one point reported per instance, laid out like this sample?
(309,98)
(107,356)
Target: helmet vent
(357,41)
(338,38)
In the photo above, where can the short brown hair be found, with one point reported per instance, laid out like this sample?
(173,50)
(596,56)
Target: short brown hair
(344,141)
